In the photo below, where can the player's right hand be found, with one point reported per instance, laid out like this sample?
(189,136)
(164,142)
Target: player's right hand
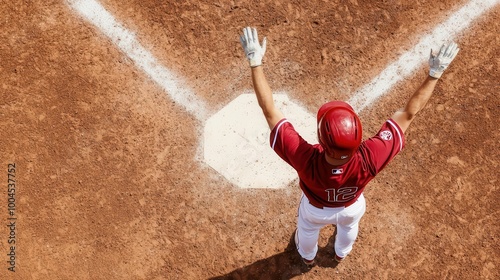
(253,50)
(440,62)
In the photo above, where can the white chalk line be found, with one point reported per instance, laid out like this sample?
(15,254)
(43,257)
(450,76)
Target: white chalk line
(127,42)
(411,60)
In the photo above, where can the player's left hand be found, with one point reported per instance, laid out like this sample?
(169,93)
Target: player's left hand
(253,50)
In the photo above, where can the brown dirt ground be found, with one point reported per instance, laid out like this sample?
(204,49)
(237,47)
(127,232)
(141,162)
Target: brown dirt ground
(109,180)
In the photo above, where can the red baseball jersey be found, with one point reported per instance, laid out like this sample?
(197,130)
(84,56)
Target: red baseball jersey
(326,185)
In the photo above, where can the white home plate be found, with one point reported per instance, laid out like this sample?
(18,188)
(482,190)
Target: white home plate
(236,142)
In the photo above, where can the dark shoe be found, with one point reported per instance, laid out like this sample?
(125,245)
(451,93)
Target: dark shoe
(308,262)
(338,259)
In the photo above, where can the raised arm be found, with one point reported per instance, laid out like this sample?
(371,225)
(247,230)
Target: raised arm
(265,97)
(254,53)
(418,100)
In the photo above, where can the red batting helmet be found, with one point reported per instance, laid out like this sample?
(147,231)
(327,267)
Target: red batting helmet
(339,129)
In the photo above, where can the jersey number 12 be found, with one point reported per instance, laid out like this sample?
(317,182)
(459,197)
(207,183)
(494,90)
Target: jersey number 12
(343,194)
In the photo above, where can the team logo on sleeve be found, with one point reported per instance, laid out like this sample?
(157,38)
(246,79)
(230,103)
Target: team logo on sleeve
(386,135)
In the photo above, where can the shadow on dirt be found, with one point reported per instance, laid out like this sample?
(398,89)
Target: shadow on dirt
(285,265)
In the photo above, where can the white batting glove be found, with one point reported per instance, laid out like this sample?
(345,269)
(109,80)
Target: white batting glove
(440,62)
(253,50)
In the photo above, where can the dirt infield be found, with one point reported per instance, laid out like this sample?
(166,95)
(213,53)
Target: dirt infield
(108,173)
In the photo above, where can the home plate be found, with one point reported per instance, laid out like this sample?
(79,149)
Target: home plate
(237,145)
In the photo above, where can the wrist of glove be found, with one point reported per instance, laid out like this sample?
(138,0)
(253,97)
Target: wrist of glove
(440,62)
(254,51)
(254,62)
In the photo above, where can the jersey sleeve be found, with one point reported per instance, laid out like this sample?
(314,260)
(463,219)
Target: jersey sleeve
(289,145)
(384,146)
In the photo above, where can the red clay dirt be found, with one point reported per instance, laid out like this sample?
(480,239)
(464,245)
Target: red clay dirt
(110,183)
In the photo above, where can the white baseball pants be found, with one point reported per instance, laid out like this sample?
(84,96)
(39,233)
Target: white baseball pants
(311,220)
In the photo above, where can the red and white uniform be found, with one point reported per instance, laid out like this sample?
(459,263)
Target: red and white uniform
(333,194)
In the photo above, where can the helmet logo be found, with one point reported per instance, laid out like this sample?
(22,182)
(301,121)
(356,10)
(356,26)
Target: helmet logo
(386,135)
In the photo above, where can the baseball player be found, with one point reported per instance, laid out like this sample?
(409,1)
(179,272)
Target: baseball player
(334,173)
